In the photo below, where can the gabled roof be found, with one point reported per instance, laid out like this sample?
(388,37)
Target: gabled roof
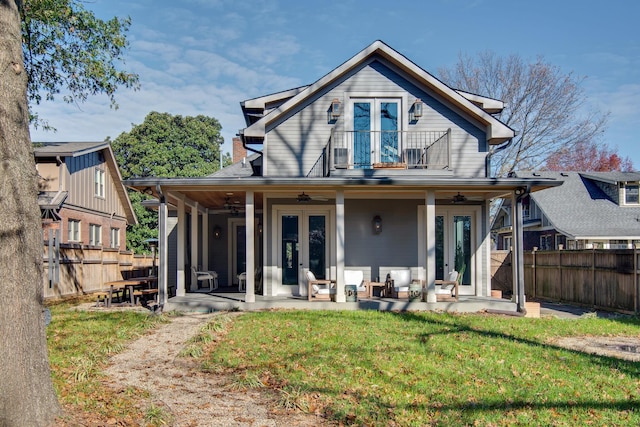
(67,149)
(581,210)
(497,132)
(239,169)
(76,149)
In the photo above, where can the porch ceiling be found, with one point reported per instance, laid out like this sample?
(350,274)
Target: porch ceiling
(212,194)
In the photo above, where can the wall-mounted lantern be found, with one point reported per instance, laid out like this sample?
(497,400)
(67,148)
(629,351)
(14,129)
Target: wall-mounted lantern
(377,224)
(334,110)
(416,110)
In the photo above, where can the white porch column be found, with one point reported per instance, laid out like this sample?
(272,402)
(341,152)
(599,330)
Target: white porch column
(205,240)
(516,252)
(340,236)
(194,242)
(163,252)
(250,228)
(180,279)
(430,226)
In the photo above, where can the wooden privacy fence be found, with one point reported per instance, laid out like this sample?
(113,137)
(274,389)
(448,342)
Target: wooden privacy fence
(73,270)
(599,278)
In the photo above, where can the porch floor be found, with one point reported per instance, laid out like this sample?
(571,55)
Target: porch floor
(204,301)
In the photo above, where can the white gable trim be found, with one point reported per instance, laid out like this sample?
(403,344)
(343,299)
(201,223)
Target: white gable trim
(497,132)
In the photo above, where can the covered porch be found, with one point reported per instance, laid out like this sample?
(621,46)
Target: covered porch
(275,230)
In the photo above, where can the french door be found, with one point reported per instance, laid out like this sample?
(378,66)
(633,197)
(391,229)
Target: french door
(303,245)
(376,126)
(454,245)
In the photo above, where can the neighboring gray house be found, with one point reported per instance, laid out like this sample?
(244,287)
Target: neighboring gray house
(377,165)
(589,210)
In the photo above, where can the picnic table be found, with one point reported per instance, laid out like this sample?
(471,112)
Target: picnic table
(129,288)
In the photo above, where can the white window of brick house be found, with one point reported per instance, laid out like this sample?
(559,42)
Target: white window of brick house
(99,183)
(115,238)
(95,234)
(74,230)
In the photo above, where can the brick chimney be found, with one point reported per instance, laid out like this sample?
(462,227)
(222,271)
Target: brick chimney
(239,151)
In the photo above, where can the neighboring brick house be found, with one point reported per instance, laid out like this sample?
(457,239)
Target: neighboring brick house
(81,193)
(590,210)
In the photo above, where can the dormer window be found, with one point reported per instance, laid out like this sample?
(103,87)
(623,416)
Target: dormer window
(631,194)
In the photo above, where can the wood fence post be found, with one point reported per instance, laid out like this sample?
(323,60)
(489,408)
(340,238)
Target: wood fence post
(593,277)
(636,301)
(533,274)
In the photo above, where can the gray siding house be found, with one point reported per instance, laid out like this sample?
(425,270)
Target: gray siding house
(590,210)
(376,166)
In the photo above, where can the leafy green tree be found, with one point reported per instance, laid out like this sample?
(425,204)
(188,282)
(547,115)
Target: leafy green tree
(166,146)
(68,49)
(27,397)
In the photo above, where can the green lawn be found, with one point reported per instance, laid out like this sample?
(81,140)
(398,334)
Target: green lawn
(416,369)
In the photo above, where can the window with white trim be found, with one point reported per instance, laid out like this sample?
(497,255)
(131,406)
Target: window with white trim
(115,238)
(631,194)
(95,234)
(73,230)
(99,182)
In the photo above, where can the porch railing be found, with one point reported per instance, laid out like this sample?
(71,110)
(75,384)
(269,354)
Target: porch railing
(371,149)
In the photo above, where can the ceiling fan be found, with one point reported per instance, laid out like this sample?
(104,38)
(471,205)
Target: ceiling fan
(306,198)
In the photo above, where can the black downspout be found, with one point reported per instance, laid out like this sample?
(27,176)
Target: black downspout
(244,145)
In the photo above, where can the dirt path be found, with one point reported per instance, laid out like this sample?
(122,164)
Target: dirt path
(193,398)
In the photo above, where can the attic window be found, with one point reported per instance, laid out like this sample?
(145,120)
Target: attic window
(631,194)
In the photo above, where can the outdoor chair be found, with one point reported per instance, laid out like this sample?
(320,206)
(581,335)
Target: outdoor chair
(201,276)
(242,282)
(450,288)
(356,278)
(320,290)
(397,283)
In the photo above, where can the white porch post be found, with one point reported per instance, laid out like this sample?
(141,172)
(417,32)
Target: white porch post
(162,252)
(205,240)
(516,252)
(340,236)
(180,279)
(430,226)
(194,242)
(250,295)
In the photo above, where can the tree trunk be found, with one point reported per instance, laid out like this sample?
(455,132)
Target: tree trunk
(27,397)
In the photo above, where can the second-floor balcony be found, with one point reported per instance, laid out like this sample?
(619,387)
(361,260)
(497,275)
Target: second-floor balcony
(361,150)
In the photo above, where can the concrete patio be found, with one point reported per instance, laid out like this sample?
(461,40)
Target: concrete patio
(204,301)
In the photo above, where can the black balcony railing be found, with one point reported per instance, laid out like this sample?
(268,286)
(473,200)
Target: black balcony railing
(367,150)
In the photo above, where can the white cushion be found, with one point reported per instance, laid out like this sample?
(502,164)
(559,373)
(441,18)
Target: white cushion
(401,288)
(441,290)
(326,291)
(315,288)
(400,277)
(353,277)
(453,276)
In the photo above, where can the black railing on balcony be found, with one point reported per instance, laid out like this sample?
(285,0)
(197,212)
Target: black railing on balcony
(384,149)
(410,149)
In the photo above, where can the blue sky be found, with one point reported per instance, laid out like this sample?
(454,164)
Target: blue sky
(205,56)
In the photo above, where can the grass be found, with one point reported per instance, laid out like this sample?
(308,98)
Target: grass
(417,369)
(79,343)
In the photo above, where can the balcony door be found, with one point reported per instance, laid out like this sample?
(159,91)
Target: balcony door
(376,126)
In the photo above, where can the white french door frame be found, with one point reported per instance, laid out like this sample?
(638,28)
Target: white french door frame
(303,213)
(448,212)
(376,99)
